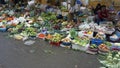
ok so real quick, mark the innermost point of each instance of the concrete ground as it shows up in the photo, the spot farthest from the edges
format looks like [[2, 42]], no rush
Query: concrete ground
[[14, 54]]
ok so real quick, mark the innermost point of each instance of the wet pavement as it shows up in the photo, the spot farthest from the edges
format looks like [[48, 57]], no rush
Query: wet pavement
[[15, 54]]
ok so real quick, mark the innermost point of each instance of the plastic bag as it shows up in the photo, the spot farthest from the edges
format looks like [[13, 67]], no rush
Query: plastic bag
[[29, 42], [72, 10]]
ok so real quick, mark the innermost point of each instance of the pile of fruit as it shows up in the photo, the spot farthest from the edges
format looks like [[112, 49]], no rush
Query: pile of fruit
[[103, 48], [67, 40], [56, 37]]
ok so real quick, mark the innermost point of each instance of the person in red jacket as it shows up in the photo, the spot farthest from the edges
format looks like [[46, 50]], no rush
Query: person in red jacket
[[103, 14]]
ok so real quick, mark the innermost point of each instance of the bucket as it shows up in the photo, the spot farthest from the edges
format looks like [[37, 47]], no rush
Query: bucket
[[55, 43], [66, 43], [41, 35], [3, 29]]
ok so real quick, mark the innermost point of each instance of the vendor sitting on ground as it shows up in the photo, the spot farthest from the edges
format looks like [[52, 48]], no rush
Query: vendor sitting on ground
[[115, 36], [102, 15]]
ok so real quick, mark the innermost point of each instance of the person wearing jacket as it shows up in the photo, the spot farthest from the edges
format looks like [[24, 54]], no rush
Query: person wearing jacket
[[115, 36], [102, 15]]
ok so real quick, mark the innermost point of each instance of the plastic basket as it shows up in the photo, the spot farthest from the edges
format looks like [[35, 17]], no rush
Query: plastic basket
[[55, 43], [3, 29], [96, 41]]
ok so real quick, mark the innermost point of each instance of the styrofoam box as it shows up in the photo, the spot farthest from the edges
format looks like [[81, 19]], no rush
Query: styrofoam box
[[78, 47]]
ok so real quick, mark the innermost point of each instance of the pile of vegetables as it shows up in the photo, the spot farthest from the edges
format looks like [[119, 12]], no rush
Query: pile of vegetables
[[23, 30], [17, 29], [81, 41], [64, 8], [93, 46], [73, 33], [48, 16], [29, 31], [111, 60], [56, 37]]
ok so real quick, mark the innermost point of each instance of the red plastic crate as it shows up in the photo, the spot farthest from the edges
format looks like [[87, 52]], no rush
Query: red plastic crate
[[55, 43]]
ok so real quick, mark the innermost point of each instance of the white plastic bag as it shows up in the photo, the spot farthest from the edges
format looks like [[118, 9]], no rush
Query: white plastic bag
[[31, 3], [71, 10], [29, 42]]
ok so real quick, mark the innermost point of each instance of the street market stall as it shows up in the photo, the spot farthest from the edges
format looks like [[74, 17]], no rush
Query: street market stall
[[43, 22]]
